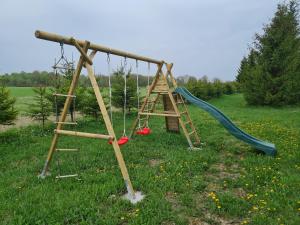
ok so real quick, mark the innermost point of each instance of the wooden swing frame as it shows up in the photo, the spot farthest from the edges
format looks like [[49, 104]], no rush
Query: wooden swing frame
[[86, 60]]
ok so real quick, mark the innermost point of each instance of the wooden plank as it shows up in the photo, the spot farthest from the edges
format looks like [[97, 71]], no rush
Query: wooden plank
[[67, 149], [110, 130], [164, 92], [83, 134], [64, 95], [69, 123], [158, 114], [67, 40], [191, 133], [66, 176], [188, 122], [172, 124]]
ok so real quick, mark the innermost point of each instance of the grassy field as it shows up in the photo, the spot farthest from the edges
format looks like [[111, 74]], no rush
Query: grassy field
[[24, 96], [226, 182]]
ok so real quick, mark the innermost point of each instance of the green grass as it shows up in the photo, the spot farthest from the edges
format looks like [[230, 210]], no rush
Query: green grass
[[24, 96], [226, 181]]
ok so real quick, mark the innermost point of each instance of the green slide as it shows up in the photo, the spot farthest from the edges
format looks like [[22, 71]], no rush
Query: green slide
[[267, 148]]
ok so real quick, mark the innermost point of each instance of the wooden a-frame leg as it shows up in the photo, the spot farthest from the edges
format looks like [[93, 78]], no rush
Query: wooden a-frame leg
[[176, 108], [64, 112], [111, 132]]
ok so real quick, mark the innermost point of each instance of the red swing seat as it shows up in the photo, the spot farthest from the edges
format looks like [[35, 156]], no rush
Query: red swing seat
[[144, 131], [122, 141]]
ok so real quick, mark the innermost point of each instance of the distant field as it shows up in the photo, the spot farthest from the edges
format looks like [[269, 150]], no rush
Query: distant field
[[24, 96]]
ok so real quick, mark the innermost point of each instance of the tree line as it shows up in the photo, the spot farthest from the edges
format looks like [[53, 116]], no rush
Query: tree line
[[206, 89], [45, 85], [48, 79]]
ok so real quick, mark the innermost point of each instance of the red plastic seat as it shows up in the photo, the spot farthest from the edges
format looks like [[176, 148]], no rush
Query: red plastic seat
[[144, 131], [123, 140]]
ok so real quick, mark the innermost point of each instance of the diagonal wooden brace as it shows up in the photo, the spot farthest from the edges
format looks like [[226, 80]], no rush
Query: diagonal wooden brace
[[82, 52]]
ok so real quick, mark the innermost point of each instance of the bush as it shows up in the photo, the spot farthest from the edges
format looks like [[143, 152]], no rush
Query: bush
[[204, 89]]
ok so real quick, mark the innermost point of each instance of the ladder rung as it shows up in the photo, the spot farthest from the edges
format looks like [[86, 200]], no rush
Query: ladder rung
[[83, 134], [184, 112], [188, 122], [161, 92], [159, 114], [70, 123], [191, 133], [180, 102], [67, 149], [64, 95], [66, 176], [62, 67], [197, 143]]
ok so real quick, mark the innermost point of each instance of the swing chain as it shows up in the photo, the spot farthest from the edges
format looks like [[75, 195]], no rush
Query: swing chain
[[148, 80], [125, 98], [110, 88], [138, 91], [62, 50]]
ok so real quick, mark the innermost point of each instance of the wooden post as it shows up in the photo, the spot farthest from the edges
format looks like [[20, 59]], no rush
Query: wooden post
[[110, 130], [65, 110]]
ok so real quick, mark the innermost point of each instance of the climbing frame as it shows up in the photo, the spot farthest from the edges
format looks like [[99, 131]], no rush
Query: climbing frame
[[86, 60], [175, 110]]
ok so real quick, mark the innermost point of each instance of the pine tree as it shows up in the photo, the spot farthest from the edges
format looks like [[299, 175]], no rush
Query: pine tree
[[271, 73], [7, 110], [118, 97], [41, 108], [62, 86], [90, 105]]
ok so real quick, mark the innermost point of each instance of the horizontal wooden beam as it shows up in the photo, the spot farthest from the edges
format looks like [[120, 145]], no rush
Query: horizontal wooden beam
[[158, 114], [83, 134], [68, 40], [66, 176]]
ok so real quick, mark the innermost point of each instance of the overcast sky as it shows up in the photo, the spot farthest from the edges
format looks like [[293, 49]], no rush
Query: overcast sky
[[201, 37]]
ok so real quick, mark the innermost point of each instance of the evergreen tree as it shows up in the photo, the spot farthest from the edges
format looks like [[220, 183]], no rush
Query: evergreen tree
[[62, 86], [242, 70], [7, 111], [217, 83], [90, 105], [41, 108], [271, 73], [118, 97]]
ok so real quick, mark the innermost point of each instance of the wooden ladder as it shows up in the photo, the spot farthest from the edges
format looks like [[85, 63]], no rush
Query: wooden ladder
[[66, 150], [186, 120]]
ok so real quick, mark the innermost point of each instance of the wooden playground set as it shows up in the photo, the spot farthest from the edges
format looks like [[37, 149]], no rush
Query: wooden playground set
[[163, 89]]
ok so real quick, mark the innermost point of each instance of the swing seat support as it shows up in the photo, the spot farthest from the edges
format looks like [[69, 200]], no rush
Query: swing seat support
[[144, 131], [122, 141]]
